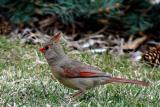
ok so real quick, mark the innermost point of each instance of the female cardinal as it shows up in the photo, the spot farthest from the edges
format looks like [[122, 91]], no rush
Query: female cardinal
[[75, 74]]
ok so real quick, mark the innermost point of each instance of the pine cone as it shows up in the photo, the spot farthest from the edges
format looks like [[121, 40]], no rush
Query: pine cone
[[153, 56], [5, 27]]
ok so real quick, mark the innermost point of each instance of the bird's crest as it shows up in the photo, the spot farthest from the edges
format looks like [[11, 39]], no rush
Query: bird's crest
[[56, 38]]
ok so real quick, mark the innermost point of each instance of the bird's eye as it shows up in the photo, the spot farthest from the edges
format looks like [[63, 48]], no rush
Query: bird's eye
[[46, 47]]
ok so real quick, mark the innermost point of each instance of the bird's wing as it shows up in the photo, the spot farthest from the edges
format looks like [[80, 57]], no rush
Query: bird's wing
[[81, 70]]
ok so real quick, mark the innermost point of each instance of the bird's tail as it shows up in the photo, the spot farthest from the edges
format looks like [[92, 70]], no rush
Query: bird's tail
[[123, 80]]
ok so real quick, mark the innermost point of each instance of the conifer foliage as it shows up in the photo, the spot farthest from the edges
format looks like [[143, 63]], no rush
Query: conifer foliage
[[129, 16]]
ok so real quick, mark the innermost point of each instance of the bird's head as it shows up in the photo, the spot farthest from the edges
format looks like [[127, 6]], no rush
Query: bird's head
[[52, 50]]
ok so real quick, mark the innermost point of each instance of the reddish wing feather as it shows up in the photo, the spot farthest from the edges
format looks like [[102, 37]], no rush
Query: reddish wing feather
[[69, 73], [87, 74], [73, 73]]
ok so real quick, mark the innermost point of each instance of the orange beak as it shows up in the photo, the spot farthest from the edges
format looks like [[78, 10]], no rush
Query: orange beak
[[42, 50]]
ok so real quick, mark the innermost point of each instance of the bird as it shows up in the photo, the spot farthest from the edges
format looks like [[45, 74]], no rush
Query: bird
[[76, 74]]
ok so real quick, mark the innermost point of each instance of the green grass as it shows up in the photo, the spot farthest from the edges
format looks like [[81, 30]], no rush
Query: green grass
[[23, 83]]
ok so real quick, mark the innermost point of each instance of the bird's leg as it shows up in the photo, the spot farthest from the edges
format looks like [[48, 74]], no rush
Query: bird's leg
[[78, 94]]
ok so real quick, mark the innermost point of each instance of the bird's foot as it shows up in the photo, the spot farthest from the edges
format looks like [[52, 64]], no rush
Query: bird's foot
[[77, 95]]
